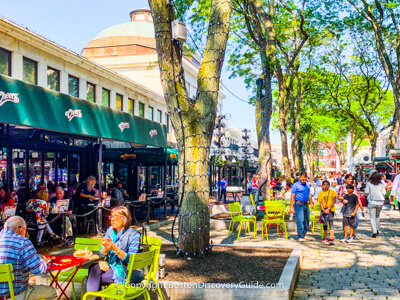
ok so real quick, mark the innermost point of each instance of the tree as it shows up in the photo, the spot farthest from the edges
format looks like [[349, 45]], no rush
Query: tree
[[355, 85], [193, 120], [383, 19]]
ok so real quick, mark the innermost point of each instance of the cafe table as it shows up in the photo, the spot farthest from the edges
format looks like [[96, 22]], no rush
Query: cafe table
[[58, 265]]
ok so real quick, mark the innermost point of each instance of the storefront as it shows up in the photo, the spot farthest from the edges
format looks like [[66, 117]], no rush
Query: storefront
[[47, 135]]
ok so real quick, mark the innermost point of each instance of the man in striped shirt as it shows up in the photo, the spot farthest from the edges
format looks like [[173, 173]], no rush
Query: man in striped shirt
[[17, 250]]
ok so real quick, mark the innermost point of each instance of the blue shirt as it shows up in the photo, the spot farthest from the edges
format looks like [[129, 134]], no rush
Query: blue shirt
[[224, 183], [19, 251], [301, 191], [318, 188], [129, 242]]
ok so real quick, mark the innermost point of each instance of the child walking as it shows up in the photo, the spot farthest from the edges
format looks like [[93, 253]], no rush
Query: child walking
[[327, 200], [349, 214]]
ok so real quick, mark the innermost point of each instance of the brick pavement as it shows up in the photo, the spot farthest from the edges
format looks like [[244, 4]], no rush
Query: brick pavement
[[365, 269]]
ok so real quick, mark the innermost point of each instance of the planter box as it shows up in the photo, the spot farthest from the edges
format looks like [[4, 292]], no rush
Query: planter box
[[282, 290]]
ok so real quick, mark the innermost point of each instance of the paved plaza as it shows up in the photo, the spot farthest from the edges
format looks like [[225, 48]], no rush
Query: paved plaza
[[365, 269]]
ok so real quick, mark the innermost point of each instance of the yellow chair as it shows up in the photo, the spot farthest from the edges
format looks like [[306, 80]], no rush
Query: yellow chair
[[315, 213], [274, 214], [154, 243], [6, 275], [252, 200], [128, 291], [235, 208], [80, 276]]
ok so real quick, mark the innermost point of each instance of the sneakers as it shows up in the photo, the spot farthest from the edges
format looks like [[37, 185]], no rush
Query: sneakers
[[354, 236], [374, 235], [331, 240], [349, 240], [301, 240], [344, 240], [324, 240]]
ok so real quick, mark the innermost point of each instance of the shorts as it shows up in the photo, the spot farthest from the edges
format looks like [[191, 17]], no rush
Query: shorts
[[349, 221]]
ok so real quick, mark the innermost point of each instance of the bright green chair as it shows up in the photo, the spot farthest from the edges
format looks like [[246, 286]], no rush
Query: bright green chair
[[237, 216], [154, 243], [315, 213], [6, 275], [128, 291], [93, 245], [274, 214]]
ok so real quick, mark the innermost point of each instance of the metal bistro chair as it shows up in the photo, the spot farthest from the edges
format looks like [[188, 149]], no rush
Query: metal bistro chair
[[127, 291], [155, 244], [315, 213], [274, 215], [239, 217], [7, 276], [80, 276]]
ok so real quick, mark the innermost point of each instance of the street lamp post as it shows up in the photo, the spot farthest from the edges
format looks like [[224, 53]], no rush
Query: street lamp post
[[246, 150], [220, 143]]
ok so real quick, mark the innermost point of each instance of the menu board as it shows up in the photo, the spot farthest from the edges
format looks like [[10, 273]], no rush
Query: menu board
[[61, 205]]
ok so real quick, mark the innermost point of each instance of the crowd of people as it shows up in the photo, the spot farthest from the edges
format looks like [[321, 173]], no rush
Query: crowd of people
[[352, 197]]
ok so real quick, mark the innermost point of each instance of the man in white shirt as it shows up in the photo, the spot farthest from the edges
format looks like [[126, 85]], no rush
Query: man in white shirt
[[332, 181]]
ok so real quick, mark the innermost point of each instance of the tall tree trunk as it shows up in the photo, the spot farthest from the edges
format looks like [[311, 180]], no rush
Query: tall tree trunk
[[394, 133], [193, 120], [295, 112], [263, 121]]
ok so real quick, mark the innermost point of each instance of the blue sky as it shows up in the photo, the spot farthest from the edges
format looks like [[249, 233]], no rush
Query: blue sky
[[73, 23]]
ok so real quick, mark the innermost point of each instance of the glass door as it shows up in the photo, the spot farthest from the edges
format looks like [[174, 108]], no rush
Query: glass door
[[18, 168], [34, 169]]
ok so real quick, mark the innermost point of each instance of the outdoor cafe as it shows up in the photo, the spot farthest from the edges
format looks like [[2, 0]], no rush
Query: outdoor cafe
[[47, 136]]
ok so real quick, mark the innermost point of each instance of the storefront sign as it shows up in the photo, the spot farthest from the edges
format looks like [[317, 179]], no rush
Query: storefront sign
[[128, 156], [6, 97], [41, 108], [153, 133], [72, 113], [123, 125]]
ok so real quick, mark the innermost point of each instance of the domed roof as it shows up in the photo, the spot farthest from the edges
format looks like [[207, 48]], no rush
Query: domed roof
[[142, 29]]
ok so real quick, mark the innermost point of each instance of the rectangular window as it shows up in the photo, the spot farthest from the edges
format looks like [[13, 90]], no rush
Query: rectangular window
[[5, 62], [91, 92], [105, 98], [131, 105], [30, 70], [53, 79], [151, 115], [119, 102], [159, 116], [141, 110], [73, 86]]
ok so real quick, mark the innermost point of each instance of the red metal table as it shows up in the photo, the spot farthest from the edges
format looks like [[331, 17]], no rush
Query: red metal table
[[262, 208], [58, 266]]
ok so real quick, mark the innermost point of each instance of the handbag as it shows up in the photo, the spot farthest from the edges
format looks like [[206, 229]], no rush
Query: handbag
[[144, 244]]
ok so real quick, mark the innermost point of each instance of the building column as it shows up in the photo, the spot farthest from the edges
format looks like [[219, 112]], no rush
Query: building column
[[17, 68], [125, 103], [42, 74], [82, 88], [99, 94], [63, 82], [113, 99]]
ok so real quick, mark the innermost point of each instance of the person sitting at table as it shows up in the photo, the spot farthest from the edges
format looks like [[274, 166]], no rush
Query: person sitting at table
[[5, 198], [18, 250], [60, 193], [41, 209], [123, 192], [120, 242]]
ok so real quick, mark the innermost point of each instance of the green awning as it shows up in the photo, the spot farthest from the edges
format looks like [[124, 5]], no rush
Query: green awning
[[172, 154], [30, 105]]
